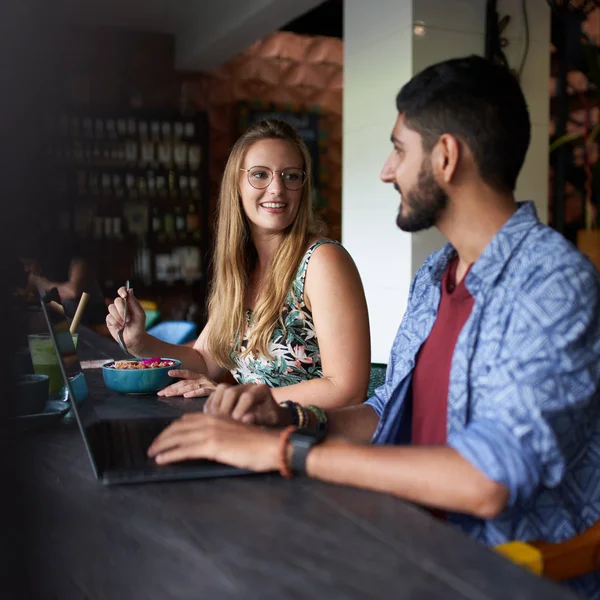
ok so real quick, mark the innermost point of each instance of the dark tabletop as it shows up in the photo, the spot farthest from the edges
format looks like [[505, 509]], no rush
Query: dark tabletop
[[254, 537]]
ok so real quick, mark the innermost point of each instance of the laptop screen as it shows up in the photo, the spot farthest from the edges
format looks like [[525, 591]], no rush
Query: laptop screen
[[126, 460]]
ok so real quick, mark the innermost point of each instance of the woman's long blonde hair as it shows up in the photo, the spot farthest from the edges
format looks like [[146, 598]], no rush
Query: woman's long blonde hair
[[235, 255]]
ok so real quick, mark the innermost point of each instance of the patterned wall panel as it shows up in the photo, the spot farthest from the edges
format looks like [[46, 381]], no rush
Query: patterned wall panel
[[288, 71]]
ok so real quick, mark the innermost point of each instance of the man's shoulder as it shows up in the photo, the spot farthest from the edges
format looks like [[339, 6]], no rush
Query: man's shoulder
[[547, 256]]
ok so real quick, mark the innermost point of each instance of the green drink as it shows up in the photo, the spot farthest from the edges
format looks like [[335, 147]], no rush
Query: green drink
[[43, 358]]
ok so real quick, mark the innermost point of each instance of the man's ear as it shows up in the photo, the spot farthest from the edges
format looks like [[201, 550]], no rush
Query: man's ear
[[445, 157]]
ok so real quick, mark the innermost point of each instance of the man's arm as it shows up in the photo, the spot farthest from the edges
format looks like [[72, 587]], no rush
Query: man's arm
[[425, 475], [354, 422], [68, 290]]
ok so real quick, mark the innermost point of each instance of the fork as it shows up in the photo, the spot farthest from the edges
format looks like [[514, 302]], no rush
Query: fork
[[120, 332]]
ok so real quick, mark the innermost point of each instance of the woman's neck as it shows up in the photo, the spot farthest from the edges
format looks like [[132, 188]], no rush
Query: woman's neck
[[266, 247]]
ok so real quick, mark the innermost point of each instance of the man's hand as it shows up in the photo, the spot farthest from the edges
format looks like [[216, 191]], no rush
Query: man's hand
[[191, 385], [196, 435], [250, 403]]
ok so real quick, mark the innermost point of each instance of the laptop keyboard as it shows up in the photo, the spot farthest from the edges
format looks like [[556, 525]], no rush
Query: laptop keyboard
[[126, 442]]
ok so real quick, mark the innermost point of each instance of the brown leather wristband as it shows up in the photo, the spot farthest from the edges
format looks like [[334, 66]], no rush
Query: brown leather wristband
[[284, 436]]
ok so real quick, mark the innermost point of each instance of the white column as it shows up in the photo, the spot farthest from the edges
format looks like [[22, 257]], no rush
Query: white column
[[377, 61], [382, 51]]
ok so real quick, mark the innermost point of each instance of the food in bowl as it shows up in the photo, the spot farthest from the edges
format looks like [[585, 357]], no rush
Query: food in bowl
[[139, 376], [145, 363]]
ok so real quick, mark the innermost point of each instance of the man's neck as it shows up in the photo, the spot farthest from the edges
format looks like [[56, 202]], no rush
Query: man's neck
[[471, 220]]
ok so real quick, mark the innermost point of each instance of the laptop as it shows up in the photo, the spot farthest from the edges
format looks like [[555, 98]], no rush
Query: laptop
[[117, 436]]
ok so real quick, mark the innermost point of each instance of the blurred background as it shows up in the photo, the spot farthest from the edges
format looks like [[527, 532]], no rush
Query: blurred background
[[120, 117]]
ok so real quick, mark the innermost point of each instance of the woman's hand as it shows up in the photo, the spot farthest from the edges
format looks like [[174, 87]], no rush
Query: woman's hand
[[192, 385], [135, 328], [196, 435], [250, 403]]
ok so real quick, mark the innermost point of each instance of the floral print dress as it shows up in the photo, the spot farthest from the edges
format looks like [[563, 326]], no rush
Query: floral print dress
[[295, 350]]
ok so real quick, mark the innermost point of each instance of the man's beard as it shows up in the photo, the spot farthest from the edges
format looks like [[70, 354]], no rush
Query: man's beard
[[426, 202]]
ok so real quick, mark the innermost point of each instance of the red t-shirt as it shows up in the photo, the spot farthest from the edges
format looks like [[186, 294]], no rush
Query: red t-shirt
[[431, 374]]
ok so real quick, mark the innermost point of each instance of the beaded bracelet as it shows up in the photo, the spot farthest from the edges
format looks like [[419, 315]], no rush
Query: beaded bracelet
[[284, 436], [302, 416], [299, 415], [322, 420], [291, 406]]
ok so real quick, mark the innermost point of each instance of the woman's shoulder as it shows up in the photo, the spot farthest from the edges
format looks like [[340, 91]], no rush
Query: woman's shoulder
[[330, 266], [323, 256], [318, 241]]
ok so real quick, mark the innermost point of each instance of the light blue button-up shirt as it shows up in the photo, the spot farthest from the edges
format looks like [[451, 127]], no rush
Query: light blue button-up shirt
[[524, 390]]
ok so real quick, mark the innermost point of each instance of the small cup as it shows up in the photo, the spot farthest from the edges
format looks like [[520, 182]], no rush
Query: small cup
[[31, 394]]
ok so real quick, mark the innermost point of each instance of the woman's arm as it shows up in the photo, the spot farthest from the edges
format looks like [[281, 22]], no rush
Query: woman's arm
[[333, 292], [143, 345], [194, 358], [195, 383]]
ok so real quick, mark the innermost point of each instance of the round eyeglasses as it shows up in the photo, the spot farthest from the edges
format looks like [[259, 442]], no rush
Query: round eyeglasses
[[261, 177]]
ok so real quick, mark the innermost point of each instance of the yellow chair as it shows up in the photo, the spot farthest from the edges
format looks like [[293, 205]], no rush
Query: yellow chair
[[575, 557], [149, 305]]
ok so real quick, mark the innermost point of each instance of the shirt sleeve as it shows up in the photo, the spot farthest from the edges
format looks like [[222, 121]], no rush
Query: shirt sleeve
[[537, 402], [382, 394]]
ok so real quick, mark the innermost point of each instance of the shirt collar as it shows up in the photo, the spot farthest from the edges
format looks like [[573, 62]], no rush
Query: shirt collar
[[493, 259]]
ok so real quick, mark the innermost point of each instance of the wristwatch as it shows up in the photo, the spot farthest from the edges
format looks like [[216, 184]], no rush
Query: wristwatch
[[302, 440]]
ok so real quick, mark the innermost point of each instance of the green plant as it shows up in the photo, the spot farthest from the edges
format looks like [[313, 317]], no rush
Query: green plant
[[589, 138]]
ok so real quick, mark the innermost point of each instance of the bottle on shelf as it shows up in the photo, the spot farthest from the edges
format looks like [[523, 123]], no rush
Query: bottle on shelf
[[189, 130], [117, 231], [161, 185], [108, 227], [157, 224], [106, 185], [194, 187], [132, 127], [180, 223], [184, 188], [147, 153], [165, 129], [151, 179], [193, 223], [165, 154], [180, 154], [194, 156], [142, 187], [132, 191], [169, 225], [117, 183], [173, 191], [131, 151]]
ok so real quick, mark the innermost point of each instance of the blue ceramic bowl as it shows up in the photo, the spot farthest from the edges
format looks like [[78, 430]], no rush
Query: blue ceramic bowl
[[138, 381]]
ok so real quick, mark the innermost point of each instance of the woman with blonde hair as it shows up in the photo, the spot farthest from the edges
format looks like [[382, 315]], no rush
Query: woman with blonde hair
[[286, 305]]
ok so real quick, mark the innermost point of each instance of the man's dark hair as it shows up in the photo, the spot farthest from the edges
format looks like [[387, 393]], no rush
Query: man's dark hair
[[478, 101]]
